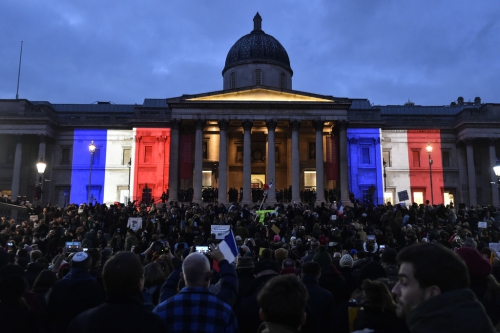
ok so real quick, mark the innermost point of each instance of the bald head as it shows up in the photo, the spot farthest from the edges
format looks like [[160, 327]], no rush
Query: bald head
[[196, 270]]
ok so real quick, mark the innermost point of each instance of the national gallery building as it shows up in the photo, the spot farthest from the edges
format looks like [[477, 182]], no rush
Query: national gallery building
[[255, 130]]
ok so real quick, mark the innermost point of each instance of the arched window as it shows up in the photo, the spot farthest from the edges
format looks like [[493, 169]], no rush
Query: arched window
[[233, 80], [282, 81], [258, 79]]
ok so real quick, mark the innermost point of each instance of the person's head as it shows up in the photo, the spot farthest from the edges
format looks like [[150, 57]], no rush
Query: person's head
[[123, 274], [45, 280], [36, 254], [377, 294], [81, 260], [311, 268], [282, 300], [196, 270], [427, 270], [153, 274]]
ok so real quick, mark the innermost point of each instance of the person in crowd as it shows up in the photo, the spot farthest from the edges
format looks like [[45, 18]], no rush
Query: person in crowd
[[76, 292], [123, 310], [282, 304], [432, 292], [195, 308]]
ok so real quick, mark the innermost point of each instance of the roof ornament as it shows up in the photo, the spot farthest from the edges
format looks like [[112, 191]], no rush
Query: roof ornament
[[257, 22]]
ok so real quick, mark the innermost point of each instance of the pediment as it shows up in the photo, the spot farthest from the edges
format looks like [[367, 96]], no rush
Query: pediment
[[261, 94]]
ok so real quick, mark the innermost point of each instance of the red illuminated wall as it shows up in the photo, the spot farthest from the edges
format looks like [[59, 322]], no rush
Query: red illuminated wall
[[419, 175], [152, 161]]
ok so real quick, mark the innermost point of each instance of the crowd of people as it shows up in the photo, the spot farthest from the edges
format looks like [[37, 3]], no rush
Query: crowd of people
[[299, 268]]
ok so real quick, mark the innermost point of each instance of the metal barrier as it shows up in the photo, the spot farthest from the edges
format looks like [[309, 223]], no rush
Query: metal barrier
[[15, 212]]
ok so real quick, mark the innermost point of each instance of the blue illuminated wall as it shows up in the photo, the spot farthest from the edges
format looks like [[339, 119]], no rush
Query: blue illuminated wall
[[81, 166], [365, 164]]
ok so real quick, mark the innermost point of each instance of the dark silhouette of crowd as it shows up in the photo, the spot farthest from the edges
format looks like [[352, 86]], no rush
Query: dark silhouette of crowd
[[325, 268]]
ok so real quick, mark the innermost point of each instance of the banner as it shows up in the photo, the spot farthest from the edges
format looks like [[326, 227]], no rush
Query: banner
[[186, 162], [262, 214], [332, 158], [220, 231], [134, 223]]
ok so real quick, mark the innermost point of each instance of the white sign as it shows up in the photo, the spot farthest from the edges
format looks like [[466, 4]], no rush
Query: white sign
[[33, 218], [220, 231], [134, 223], [482, 225], [495, 247]]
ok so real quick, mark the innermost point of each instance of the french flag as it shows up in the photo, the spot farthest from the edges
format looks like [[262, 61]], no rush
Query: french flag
[[228, 247], [340, 209]]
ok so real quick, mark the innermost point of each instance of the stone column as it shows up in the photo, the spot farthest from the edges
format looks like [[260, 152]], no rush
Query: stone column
[[493, 161], [16, 173], [295, 125], [198, 160], [471, 171], [320, 165], [173, 178], [223, 126], [344, 183], [462, 174], [247, 161], [271, 160]]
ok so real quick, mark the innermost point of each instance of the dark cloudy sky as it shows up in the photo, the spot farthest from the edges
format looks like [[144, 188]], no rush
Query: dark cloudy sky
[[389, 51]]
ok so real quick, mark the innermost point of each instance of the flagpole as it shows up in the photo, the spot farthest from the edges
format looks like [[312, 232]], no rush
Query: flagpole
[[19, 71]]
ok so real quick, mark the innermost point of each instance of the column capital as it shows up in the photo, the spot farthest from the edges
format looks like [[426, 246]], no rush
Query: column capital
[[271, 124], [175, 124], [318, 125], [492, 141], [223, 124], [247, 124], [469, 141], [295, 124], [342, 124], [138, 138], [199, 124]]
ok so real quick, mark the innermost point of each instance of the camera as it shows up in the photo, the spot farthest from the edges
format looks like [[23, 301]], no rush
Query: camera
[[202, 249]]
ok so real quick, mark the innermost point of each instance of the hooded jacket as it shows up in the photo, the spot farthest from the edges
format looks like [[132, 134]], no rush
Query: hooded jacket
[[455, 311]]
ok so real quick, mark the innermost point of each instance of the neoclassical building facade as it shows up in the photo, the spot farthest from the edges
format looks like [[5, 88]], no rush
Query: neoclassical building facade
[[257, 129]]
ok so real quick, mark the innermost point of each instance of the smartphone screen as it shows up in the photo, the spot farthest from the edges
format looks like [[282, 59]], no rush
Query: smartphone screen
[[10, 244], [85, 249], [73, 246], [202, 249], [382, 247]]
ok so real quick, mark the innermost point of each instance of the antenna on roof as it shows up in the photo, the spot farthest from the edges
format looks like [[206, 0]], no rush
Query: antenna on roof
[[19, 71]]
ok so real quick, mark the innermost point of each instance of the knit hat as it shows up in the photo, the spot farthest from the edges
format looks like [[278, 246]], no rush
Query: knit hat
[[281, 254], [276, 238], [476, 264], [265, 265], [346, 261], [353, 252], [288, 263], [322, 257], [245, 262]]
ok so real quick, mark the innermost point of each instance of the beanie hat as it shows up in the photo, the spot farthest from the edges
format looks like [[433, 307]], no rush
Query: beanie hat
[[322, 257], [281, 254], [353, 252], [266, 264], [476, 264], [346, 261], [276, 238]]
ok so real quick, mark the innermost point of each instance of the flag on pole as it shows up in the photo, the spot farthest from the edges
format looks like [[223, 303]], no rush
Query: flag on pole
[[271, 184], [340, 209], [228, 247]]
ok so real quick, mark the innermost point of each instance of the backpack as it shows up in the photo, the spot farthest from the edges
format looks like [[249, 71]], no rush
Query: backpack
[[147, 295]]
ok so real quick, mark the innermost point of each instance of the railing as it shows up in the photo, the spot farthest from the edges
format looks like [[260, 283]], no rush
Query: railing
[[18, 213]]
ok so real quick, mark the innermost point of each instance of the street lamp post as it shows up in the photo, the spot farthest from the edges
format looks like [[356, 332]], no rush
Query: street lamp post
[[385, 176], [40, 166], [129, 164], [91, 150], [66, 194], [429, 151]]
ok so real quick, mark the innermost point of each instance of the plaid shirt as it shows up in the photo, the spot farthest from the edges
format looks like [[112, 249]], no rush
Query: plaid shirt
[[197, 310]]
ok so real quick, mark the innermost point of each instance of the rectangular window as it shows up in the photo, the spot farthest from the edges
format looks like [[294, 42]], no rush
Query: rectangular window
[[310, 179], [446, 158], [206, 179], [416, 158], [448, 198], [387, 158], [65, 156], [365, 155], [418, 197], [148, 154], [126, 156]]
